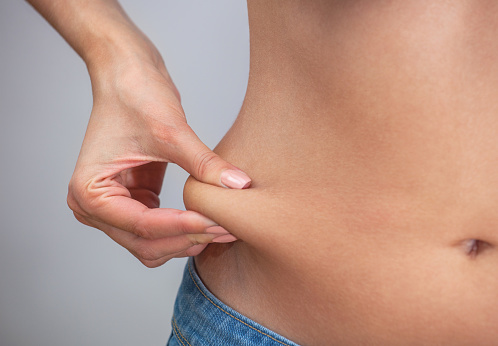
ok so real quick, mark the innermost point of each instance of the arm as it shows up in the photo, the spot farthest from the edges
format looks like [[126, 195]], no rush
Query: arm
[[137, 125]]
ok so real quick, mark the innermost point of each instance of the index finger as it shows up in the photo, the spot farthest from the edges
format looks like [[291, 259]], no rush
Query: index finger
[[132, 216]]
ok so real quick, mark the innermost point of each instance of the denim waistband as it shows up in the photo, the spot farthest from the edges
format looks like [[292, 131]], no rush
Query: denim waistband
[[202, 319]]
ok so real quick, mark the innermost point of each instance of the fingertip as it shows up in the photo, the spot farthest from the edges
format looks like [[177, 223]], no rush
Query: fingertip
[[235, 179], [196, 221], [227, 238], [216, 230], [195, 250]]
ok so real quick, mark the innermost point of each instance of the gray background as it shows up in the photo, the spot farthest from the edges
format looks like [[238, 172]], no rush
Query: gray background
[[62, 283]]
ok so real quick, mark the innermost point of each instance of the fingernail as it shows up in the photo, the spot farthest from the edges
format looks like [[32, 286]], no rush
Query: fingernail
[[235, 179], [227, 238], [216, 230]]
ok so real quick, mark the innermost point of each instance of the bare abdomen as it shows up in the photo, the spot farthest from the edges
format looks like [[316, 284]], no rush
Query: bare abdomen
[[373, 159]]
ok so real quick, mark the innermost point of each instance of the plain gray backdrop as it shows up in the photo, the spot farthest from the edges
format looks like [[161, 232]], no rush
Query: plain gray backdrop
[[62, 283]]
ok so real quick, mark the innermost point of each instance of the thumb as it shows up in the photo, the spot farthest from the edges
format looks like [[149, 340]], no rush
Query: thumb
[[204, 165]]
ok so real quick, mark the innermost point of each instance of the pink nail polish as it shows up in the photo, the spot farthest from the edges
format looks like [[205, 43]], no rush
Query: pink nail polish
[[235, 179], [216, 230], [228, 238]]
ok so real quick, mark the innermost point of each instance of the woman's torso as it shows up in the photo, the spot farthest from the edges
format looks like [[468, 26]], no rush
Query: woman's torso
[[370, 130]]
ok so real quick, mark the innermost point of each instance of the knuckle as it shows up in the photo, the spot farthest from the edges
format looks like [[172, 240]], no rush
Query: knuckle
[[183, 224], [145, 252], [171, 131], [72, 201], [82, 195], [168, 132], [141, 229], [204, 161], [80, 218], [196, 239], [150, 264]]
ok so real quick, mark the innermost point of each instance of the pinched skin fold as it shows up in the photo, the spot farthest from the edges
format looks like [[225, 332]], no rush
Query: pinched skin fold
[[369, 131]]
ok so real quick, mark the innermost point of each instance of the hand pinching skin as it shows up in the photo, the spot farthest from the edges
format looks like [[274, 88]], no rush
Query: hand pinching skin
[[136, 127]]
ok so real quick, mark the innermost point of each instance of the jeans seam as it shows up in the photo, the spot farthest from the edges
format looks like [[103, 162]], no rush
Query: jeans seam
[[178, 334], [229, 314]]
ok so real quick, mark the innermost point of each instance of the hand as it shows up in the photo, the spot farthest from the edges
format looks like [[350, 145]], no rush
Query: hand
[[137, 126]]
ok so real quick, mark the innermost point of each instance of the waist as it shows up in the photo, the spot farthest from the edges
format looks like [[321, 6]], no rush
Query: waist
[[373, 161], [353, 221]]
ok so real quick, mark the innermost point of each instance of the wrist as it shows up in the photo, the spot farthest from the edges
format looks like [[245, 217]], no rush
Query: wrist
[[117, 54], [123, 62], [116, 51]]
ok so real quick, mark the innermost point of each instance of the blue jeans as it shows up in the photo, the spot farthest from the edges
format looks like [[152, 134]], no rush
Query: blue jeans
[[202, 319]]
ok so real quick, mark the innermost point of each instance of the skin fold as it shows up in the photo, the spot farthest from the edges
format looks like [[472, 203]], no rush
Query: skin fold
[[370, 132]]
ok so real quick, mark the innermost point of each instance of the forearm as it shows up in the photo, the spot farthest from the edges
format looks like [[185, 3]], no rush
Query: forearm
[[98, 30]]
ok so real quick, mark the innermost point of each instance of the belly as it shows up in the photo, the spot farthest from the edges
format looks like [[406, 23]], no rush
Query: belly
[[355, 243], [372, 170]]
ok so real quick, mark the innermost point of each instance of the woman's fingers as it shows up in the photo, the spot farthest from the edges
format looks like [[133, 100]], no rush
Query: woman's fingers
[[131, 217], [203, 164], [153, 251], [137, 125], [146, 197], [191, 251], [127, 214]]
